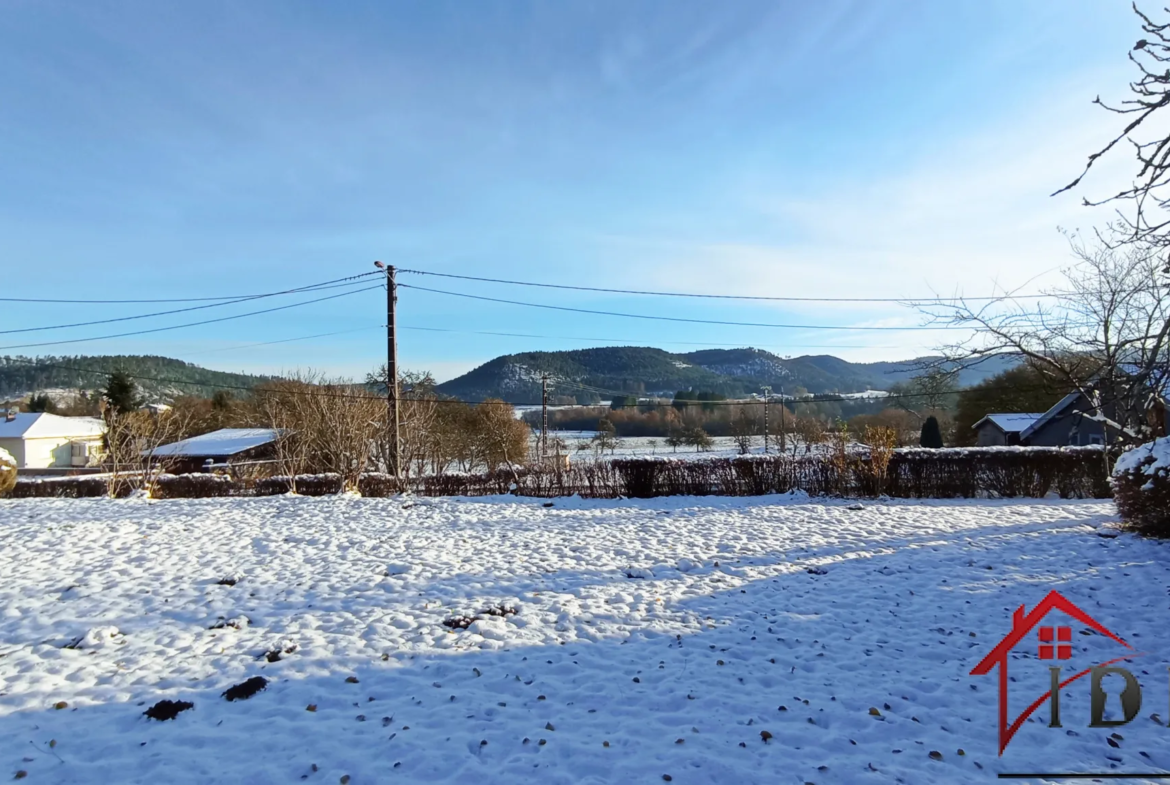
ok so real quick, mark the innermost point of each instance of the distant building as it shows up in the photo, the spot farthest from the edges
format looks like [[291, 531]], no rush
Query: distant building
[[998, 430], [1066, 423], [38, 440], [227, 445]]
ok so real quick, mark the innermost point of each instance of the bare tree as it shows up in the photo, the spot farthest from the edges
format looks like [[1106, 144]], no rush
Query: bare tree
[[418, 418], [698, 438], [808, 431], [281, 406], [131, 441], [932, 390], [1147, 222], [881, 442], [1106, 334], [498, 438], [743, 430], [452, 438], [343, 423], [606, 437]]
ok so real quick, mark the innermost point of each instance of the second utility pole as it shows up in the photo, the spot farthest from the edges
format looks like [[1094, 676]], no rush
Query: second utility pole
[[392, 375], [767, 392], [544, 417], [783, 427]]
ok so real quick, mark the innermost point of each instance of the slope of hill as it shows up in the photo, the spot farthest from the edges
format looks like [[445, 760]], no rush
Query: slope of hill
[[20, 376], [611, 369], [634, 369]]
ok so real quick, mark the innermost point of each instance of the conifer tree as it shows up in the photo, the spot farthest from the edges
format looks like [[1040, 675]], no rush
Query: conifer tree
[[121, 393], [931, 434]]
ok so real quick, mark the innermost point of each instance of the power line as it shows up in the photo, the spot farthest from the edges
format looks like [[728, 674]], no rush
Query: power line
[[190, 324], [624, 341], [671, 318], [899, 300], [289, 340], [176, 299], [312, 288], [627, 341]]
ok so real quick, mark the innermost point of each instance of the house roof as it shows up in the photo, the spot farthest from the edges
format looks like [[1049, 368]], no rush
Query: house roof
[[218, 444], [1011, 422], [1051, 414], [39, 425]]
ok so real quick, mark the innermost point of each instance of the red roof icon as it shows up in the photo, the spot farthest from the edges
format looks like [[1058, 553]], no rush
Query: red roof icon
[[1022, 624]]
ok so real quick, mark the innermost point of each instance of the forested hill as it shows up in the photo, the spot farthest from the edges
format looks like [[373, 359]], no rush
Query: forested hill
[[20, 376], [586, 373]]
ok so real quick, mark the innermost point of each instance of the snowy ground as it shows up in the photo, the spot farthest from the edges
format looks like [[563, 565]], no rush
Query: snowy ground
[[580, 446], [652, 640]]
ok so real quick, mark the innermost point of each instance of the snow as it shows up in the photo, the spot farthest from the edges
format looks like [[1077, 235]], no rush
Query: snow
[[867, 394], [1159, 450], [7, 462], [778, 614], [39, 425], [221, 443], [580, 446], [1012, 422]]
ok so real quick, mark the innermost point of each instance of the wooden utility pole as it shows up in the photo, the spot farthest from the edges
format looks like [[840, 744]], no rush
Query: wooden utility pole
[[767, 392], [544, 417], [783, 427], [392, 373]]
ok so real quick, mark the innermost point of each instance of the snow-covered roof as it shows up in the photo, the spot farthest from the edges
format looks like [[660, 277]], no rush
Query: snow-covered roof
[[1051, 414], [39, 425], [1012, 422], [221, 443]]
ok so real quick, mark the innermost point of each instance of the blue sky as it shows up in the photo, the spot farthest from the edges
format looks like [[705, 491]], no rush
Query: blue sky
[[871, 149]]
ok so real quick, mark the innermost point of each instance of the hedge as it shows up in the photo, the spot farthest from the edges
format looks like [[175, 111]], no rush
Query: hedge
[[978, 472], [63, 487]]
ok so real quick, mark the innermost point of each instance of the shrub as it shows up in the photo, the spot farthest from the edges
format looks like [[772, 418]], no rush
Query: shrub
[[307, 485], [195, 486], [377, 485], [1141, 488], [638, 477], [7, 472], [64, 488]]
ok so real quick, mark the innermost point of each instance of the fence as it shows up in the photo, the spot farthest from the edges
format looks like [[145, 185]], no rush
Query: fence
[[979, 472]]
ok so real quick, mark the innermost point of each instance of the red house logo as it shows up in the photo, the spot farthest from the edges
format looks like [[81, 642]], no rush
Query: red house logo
[[1054, 645]]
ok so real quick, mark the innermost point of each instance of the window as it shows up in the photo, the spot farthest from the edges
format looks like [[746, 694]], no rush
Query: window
[[1096, 439], [1063, 648]]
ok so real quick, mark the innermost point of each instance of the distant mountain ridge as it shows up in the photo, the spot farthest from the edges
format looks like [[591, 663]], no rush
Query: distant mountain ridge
[[20, 376], [582, 373], [646, 370]]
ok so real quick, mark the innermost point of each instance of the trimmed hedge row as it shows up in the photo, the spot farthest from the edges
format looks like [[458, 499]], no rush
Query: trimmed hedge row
[[63, 488], [1069, 472]]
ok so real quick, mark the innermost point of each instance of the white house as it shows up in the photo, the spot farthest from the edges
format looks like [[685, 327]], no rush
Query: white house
[[41, 441]]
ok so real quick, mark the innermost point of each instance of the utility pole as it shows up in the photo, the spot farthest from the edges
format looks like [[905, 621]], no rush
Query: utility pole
[[767, 392], [392, 372], [783, 427], [544, 417]]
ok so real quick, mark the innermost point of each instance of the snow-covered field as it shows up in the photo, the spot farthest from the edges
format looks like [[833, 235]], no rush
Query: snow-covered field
[[580, 446], [768, 640]]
